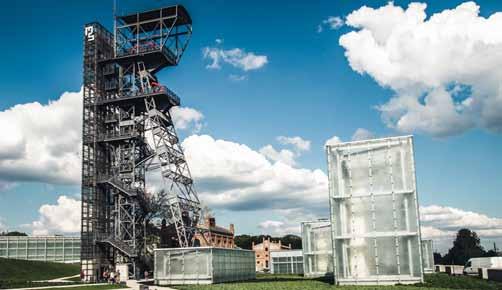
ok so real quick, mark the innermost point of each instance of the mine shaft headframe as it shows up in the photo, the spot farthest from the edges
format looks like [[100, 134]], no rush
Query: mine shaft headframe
[[161, 33]]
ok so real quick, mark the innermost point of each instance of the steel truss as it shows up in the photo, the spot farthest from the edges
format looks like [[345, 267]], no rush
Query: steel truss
[[127, 132]]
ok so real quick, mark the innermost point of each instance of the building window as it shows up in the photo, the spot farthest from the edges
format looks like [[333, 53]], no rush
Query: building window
[[266, 249]]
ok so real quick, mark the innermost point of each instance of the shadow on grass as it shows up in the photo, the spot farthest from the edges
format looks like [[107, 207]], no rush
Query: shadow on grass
[[6, 284], [443, 280], [285, 278]]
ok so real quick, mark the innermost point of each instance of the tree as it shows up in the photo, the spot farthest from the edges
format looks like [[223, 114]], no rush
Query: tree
[[293, 240], [13, 233], [491, 253], [437, 258], [466, 245], [243, 241], [246, 241]]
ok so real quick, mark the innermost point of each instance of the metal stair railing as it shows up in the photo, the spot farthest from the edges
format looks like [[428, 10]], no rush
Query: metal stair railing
[[120, 186], [119, 245]]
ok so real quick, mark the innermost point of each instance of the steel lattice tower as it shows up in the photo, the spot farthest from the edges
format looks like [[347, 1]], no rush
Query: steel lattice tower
[[128, 131]]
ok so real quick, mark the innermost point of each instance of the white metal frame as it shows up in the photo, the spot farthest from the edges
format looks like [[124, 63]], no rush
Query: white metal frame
[[343, 200], [428, 256], [308, 228]]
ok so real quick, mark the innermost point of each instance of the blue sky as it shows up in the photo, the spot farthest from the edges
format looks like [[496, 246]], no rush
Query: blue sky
[[307, 88]]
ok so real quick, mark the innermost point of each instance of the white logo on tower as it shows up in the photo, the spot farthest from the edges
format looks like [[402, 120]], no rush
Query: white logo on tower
[[89, 33]]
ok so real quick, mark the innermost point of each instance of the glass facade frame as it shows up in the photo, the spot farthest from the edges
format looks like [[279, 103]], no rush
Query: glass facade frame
[[41, 248], [374, 212], [317, 248], [286, 262], [428, 256], [203, 265]]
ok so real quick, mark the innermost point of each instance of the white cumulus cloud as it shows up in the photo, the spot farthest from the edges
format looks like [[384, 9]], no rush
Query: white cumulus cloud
[[298, 143], [333, 141], [362, 134], [332, 22], [279, 228], [232, 176], [185, 118], [444, 69], [60, 218], [285, 156], [42, 142], [235, 57]]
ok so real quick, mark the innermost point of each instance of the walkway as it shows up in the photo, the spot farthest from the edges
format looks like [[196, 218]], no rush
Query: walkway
[[64, 286]]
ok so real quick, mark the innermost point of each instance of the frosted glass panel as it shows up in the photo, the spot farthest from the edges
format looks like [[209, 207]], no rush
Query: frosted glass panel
[[387, 256], [427, 256], [287, 262], [317, 248], [203, 265], [40, 248], [374, 212]]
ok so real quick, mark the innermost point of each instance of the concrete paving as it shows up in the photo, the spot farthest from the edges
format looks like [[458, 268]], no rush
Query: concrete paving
[[135, 284]]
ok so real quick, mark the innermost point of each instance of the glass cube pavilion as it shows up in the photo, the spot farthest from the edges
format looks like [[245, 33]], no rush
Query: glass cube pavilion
[[374, 212], [41, 248], [203, 265], [317, 248]]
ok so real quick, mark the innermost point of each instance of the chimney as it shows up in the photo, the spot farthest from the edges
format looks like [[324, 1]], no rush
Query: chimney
[[212, 222], [232, 228]]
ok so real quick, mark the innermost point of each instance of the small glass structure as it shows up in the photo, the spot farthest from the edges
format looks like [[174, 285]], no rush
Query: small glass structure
[[38, 248], [317, 248], [286, 262], [374, 212], [203, 265], [428, 256]]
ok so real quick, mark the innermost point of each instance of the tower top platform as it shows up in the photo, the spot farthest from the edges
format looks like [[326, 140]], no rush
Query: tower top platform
[[149, 20], [158, 36]]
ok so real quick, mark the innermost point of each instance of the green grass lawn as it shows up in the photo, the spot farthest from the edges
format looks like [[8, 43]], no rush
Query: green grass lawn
[[459, 282], [21, 273], [292, 282], [96, 287], [11, 269]]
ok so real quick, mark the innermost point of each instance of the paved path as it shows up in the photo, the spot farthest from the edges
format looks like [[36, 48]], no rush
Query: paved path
[[134, 284], [62, 279], [62, 286]]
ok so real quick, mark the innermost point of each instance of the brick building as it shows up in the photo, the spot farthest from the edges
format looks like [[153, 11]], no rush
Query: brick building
[[262, 252], [215, 236]]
